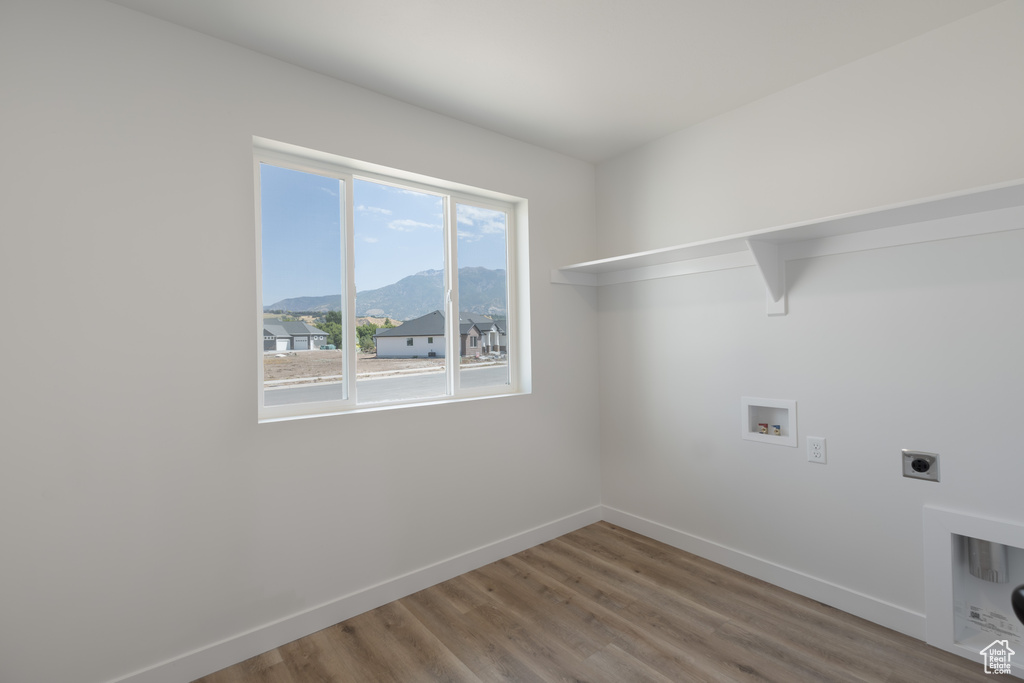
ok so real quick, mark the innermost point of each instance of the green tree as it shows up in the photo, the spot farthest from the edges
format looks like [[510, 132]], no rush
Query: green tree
[[333, 317], [365, 335], [335, 334]]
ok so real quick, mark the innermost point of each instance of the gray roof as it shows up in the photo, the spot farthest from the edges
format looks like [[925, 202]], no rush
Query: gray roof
[[429, 325], [289, 328], [483, 323], [274, 330]]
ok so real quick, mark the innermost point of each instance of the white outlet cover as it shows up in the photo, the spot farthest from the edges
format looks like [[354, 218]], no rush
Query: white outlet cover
[[816, 450]]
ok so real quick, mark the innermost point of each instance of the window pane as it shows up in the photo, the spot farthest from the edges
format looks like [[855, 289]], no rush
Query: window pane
[[401, 243], [301, 232], [399, 273], [483, 296]]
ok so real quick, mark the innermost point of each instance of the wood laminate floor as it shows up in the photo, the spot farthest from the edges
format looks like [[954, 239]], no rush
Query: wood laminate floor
[[604, 605]]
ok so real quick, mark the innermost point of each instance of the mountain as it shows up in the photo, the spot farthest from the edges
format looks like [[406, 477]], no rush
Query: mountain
[[318, 304], [481, 290], [410, 297]]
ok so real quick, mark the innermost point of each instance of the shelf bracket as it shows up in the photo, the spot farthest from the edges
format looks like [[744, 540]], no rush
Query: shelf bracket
[[773, 271]]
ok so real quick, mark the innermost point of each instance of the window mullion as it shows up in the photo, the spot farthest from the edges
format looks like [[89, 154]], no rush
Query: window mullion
[[451, 307], [511, 293], [260, 322], [348, 288]]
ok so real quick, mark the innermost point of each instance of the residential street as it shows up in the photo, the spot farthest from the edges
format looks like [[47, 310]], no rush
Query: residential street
[[376, 390]]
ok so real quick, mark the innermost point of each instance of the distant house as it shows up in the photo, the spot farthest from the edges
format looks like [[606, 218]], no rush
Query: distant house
[[493, 337], [423, 337], [470, 338], [502, 324], [293, 335]]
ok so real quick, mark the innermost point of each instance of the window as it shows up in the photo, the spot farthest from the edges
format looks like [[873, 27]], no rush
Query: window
[[363, 257]]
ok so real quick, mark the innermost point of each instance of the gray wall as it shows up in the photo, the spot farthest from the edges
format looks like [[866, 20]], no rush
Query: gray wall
[[909, 347], [143, 512]]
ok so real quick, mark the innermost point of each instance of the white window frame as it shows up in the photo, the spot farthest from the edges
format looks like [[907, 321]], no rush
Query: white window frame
[[516, 269]]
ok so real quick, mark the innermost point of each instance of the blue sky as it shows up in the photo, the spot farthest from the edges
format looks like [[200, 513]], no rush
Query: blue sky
[[301, 222], [398, 232]]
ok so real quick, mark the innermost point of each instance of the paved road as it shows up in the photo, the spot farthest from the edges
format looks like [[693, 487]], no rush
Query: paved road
[[376, 390]]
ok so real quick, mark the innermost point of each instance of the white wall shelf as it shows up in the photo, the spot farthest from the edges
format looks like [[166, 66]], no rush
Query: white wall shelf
[[996, 208]]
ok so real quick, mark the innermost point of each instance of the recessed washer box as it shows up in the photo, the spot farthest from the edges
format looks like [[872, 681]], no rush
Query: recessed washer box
[[755, 412], [969, 611]]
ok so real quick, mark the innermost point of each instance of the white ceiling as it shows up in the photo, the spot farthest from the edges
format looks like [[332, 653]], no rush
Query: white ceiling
[[589, 78]]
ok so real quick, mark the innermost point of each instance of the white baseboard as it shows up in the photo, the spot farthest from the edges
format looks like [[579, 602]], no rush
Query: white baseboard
[[207, 660], [861, 605], [217, 656]]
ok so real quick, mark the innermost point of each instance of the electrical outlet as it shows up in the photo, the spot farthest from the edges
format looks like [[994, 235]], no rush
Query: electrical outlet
[[920, 465], [816, 449]]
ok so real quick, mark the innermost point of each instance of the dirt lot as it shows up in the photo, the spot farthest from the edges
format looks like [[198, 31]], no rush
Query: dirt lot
[[326, 365]]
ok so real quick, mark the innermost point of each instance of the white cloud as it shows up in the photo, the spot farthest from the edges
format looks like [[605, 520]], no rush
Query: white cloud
[[415, 193], [371, 240], [409, 225], [493, 228], [329, 191], [373, 209], [486, 221], [395, 189]]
